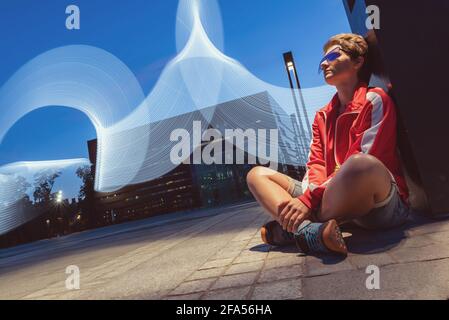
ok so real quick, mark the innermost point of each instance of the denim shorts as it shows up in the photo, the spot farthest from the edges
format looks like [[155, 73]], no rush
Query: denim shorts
[[390, 213]]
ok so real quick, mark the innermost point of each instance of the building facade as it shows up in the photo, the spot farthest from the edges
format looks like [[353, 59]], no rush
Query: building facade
[[191, 186]]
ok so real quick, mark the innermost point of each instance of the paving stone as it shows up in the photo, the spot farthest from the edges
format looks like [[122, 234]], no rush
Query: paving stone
[[55, 289], [439, 237], [243, 237], [258, 250], [429, 228], [284, 262], [216, 263], [315, 266], [207, 273], [286, 252], [256, 239], [228, 294], [279, 290], [340, 285], [237, 280], [226, 254], [250, 258], [417, 280], [378, 259], [263, 218], [281, 273], [45, 297], [245, 267], [193, 286], [413, 263], [246, 234], [192, 296], [404, 254], [417, 241], [237, 245]]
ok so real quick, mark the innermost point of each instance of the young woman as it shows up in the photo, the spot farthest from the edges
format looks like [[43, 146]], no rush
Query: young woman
[[353, 170]]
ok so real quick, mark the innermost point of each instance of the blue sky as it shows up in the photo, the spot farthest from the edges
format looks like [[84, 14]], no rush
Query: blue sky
[[142, 34]]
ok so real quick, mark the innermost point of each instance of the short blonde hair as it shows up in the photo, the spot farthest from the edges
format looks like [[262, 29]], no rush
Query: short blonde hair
[[355, 46]]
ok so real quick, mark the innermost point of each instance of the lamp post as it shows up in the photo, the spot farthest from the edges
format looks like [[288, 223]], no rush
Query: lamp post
[[58, 201], [291, 69]]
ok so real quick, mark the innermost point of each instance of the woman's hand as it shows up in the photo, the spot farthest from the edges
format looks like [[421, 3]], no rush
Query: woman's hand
[[293, 214]]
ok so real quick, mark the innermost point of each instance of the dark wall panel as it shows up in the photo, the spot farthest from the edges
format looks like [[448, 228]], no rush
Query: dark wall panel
[[413, 41]]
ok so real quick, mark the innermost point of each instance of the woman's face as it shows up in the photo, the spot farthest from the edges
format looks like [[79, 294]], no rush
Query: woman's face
[[342, 69]]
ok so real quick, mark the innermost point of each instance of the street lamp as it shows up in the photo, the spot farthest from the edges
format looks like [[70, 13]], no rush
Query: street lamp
[[291, 69], [58, 200], [59, 196]]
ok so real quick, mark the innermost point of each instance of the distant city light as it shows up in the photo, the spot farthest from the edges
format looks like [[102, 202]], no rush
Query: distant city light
[[59, 196]]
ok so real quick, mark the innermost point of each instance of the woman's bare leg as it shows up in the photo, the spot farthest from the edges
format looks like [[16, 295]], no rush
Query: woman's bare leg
[[269, 187], [362, 181]]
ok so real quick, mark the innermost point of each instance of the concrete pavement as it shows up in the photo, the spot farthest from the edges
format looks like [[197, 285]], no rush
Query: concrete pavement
[[218, 254]]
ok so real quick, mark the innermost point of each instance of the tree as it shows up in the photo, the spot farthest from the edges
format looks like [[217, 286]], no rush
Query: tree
[[87, 188], [43, 184], [86, 192]]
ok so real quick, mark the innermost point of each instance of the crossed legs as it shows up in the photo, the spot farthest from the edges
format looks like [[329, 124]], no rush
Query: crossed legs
[[361, 182]]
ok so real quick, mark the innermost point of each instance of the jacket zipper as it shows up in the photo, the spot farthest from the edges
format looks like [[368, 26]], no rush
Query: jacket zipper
[[325, 147]]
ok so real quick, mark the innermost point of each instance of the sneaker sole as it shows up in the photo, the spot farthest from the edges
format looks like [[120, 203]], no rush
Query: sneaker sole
[[333, 239], [264, 234]]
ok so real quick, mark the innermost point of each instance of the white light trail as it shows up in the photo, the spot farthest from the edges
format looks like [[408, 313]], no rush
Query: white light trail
[[133, 130]]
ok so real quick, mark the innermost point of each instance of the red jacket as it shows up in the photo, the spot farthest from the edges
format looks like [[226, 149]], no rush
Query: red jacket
[[368, 126]]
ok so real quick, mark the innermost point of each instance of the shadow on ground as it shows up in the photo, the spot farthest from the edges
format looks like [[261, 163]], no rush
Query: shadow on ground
[[365, 242]]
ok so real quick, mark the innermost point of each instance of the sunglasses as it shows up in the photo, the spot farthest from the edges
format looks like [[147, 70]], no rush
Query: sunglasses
[[331, 56]]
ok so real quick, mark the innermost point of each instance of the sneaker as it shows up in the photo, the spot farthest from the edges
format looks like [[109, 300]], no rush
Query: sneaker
[[320, 238], [273, 234]]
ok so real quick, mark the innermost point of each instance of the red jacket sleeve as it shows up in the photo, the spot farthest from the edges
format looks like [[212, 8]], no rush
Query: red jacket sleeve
[[374, 132], [316, 167]]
